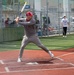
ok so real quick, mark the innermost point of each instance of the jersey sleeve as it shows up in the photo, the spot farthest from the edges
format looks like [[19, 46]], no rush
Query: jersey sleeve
[[61, 20], [31, 22]]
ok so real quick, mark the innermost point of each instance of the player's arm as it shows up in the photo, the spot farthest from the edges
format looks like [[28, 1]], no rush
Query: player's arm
[[61, 23], [22, 21], [31, 22]]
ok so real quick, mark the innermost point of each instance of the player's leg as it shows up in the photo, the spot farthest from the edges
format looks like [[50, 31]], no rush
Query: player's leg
[[63, 31], [37, 41], [25, 41]]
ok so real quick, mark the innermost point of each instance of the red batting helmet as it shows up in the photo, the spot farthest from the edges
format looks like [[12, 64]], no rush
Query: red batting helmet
[[29, 13]]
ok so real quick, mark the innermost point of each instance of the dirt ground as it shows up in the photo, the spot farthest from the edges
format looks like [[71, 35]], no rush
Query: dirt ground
[[37, 62]]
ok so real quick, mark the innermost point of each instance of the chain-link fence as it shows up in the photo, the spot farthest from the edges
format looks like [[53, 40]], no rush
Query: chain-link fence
[[51, 14], [48, 14]]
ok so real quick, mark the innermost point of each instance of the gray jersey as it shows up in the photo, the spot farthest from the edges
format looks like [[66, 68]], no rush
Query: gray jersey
[[29, 26]]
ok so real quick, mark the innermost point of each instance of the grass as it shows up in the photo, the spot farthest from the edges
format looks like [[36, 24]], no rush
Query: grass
[[52, 43]]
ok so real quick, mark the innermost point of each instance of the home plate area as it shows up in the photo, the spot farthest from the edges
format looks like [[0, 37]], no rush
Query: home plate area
[[32, 65]]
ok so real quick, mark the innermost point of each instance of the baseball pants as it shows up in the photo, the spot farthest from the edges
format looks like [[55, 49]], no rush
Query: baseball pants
[[34, 39], [64, 31]]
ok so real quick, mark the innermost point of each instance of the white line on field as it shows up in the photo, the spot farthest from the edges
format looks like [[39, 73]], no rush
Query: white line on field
[[59, 58], [41, 70], [1, 61], [42, 65], [71, 64], [7, 70], [65, 54]]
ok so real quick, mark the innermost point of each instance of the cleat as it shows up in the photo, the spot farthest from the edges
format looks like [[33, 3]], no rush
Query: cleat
[[51, 54], [19, 60], [52, 58]]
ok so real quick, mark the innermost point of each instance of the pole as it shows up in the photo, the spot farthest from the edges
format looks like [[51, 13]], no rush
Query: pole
[[18, 6], [66, 8], [0, 13], [47, 15], [34, 7], [59, 16], [13, 4]]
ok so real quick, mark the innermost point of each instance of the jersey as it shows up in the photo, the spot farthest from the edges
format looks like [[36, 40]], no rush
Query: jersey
[[64, 22], [29, 26]]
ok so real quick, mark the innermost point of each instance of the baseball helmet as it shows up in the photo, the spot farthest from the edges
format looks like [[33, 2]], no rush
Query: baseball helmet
[[29, 13]]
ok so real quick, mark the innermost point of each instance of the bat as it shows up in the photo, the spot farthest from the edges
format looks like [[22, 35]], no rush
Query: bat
[[20, 12], [23, 8]]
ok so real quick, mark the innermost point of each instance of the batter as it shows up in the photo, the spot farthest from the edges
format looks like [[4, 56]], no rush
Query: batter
[[30, 35]]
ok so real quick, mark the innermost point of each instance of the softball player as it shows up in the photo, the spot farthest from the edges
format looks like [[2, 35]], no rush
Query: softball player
[[65, 24], [29, 24]]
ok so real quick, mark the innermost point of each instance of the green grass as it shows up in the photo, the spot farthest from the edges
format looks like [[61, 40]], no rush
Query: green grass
[[52, 43]]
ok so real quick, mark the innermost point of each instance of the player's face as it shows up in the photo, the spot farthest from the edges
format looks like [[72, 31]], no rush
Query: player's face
[[64, 16], [28, 17]]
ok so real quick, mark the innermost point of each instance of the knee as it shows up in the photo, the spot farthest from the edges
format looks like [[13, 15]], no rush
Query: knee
[[41, 46], [22, 46]]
